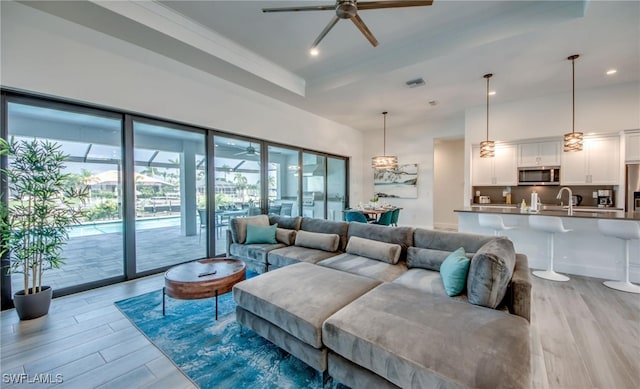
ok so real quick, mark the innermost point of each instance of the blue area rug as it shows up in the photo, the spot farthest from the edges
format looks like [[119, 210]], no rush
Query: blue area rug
[[216, 354]]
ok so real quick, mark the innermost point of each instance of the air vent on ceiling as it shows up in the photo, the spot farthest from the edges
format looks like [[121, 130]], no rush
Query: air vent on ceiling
[[415, 83]]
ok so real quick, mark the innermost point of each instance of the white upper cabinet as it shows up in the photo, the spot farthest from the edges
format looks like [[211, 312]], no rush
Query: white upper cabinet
[[500, 170], [539, 154], [597, 164], [632, 147]]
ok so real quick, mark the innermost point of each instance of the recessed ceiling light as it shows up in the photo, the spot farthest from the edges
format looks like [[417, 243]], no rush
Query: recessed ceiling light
[[415, 82], [314, 52], [491, 93], [611, 71], [433, 103]]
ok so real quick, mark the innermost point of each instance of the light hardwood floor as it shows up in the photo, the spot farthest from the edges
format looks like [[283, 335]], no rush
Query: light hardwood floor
[[584, 335]]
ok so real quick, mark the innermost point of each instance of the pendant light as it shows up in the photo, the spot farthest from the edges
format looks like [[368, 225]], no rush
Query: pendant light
[[487, 147], [573, 140], [384, 161]]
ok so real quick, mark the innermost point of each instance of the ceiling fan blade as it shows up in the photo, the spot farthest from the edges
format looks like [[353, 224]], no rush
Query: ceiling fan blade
[[364, 30], [307, 8], [326, 30], [392, 4]]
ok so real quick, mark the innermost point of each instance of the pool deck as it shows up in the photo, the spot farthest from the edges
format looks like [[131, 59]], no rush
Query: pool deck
[[97, 257]]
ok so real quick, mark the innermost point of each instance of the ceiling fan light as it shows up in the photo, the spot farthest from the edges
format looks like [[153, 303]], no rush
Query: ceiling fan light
[[573, 141], [487, 149], [384, 162], [314, 52]]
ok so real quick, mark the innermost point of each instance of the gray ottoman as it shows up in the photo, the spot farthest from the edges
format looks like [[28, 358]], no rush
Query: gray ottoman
[[287, 306], [419, 340]]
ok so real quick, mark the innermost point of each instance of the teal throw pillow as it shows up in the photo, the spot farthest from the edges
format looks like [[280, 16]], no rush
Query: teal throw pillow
[[454, 271], [261, 234]]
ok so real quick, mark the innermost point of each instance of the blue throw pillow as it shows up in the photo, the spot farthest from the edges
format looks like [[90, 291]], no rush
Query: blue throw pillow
[[454, 271], [261, 234]]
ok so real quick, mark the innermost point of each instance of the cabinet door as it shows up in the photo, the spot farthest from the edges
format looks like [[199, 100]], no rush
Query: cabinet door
[[573, 168], [528, 154], [632, 146], [481, 169], [505, 167], [603, 161], [549, 153]]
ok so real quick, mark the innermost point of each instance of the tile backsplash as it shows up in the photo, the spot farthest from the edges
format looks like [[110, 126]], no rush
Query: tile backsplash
[[547, 194]]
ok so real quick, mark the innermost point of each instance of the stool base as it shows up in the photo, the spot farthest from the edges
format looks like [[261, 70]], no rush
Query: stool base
[[623, 286], [550, 275]]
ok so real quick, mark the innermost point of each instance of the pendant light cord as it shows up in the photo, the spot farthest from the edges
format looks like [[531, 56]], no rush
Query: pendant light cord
[[384, 134], [488, 76], [488, 107], [573, 95]]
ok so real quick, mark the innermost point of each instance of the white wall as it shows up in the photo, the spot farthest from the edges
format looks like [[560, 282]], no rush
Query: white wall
[[448, 182], [412, 145], [602, 110], [49, 55]]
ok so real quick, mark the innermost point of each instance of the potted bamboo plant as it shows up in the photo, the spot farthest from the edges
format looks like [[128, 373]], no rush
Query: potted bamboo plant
[[41, 205]]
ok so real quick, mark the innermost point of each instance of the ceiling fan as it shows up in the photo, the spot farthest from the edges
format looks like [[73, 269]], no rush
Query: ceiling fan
[[250, 150], [348, 9]]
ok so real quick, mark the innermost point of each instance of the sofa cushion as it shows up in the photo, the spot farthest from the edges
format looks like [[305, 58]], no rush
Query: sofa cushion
[[254, 255], [239, 226], [261, 234], [293, 254], [385, 252], [300, 297], [365, 267], [490, 272], [454, 271], [286, 236], [428, 259], [316, 240], [327, 227], [402, 236], [452, 344], [288, 222], [448, 241], [426, 281]]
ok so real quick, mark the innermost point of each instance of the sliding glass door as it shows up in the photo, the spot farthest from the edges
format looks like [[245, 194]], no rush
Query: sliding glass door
[[170, 188], [283, 178], [237, 184], [314, 177], [92, 141], [336, 187]]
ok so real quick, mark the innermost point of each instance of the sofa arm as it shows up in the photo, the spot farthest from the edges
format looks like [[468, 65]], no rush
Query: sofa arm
[[518, 297], [229, 240]]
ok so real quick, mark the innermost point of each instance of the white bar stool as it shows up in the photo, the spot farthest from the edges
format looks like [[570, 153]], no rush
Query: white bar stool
[[493, 221], [552, 225], [627, 230]]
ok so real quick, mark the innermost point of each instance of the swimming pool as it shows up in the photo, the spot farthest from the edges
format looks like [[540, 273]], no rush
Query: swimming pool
[[116, 226]]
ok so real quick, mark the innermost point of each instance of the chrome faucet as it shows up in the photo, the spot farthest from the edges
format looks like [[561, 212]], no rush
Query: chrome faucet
[[559, 196]]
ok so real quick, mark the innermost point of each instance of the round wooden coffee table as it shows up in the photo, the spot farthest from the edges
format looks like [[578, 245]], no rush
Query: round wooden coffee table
[[202, 279]]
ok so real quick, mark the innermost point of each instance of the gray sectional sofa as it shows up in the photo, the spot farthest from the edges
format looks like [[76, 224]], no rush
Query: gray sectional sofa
[[366, 304]]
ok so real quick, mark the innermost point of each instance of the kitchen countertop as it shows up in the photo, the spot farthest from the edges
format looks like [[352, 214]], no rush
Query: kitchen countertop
[[554, 210]]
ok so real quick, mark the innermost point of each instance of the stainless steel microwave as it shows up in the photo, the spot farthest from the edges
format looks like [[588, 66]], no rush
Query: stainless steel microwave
[[539, 175]]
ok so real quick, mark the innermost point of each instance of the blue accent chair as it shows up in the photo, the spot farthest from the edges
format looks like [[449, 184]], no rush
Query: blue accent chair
[[385, 219], [395, 216], [355, 216]]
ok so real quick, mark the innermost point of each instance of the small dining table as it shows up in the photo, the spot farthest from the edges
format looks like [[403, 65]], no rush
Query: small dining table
[[373, 213]]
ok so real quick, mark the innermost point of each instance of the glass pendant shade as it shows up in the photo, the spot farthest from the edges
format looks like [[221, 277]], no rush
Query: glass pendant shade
[[487, 149], [573, 140], [384, 161]]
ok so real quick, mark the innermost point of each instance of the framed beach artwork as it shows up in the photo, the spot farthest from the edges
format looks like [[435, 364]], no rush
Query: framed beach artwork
[[400, 182]]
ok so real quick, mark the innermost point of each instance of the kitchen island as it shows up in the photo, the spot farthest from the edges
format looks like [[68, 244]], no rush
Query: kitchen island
[[582, 251]]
